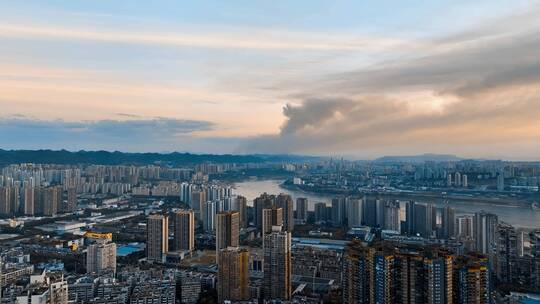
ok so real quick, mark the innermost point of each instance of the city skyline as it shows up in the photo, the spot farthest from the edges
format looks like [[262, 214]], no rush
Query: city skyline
[[310, 78]]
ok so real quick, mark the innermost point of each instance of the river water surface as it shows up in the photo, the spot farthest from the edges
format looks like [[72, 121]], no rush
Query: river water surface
[[514, 215]]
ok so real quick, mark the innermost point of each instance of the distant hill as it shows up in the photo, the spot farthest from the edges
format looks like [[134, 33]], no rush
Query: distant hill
[[122, 158], [418, 158]]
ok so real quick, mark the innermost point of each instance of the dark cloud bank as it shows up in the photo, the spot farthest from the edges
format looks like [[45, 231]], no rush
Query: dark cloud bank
[[488, 78]]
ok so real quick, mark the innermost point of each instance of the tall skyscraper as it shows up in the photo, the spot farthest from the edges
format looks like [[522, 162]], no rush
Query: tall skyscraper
[[5, 201], [208, 215], [379, 212], [464, 227], [241, 205], [157, 237], [264, 201], [507, 256], [70, 204], [277, 265], [465, 182], [457, 179], [534, 239], [425, 216], [485, 232], [471, 280], [233, 274], [285, 202], [185, 193], [369, 212], [409, 225], [198, 199], [500, 182], [386, 273], [391, 216], [339, 214], [29, 200], [320, 212], [51, 198], [448, 221], [227, 229], [354, 212], [302, 208], [101, 257], [184, 230], [272, 217]]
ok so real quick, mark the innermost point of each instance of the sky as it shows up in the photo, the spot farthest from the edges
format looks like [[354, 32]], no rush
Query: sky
[[356, 78]]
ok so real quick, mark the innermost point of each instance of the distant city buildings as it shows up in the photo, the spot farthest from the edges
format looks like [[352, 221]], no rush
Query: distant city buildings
[[402, 250]]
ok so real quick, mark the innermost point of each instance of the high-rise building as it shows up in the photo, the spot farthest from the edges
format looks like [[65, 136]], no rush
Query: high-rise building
[[500, 182], [227, 229], [507, 256], [302, 208], [198, 199], [448, 220], [534, 239], [5, 201], [233, 274], [70, 204], [285, 202], [184, 230], [386, 273], [485, 232], [208, 215], [157, 237], [277, 265], [29, 200], [464, 227], [264, 201], [320, 212], [272, 217], [465, 182], [449, 180], [391, 216], [101, 257], [185, 193], [409, 224], [471, 280], [339, 212], [521, 242], [354, 212], [380, 208], [241, 205], [425, 219], [439, 277], [51, 199], [369, 212], [457, 179]]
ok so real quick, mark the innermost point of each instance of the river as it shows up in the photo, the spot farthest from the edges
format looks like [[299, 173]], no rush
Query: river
[[515, 215]]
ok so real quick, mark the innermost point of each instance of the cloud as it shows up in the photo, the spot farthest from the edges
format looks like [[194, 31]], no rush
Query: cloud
[[476, 93], [154, 134], [232, 38]]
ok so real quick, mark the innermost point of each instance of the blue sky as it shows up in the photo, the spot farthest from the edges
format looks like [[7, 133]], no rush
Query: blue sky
[[268, 76]]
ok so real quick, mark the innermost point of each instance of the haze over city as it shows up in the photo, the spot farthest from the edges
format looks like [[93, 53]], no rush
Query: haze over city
[[363, 79]]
